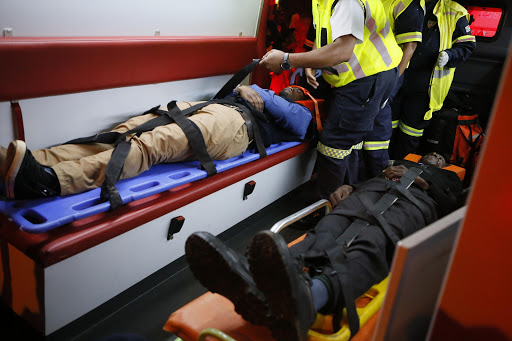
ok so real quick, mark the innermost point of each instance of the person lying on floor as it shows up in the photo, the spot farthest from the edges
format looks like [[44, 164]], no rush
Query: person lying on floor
[[348, 252], [74, 168]]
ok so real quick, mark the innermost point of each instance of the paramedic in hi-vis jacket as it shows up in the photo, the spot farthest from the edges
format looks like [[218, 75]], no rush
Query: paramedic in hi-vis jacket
[[359, 57], [406, 21], [447, 42]]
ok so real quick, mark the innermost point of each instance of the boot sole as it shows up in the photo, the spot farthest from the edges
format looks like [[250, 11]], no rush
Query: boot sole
[[218, 273], [13, 161], [271, 271]]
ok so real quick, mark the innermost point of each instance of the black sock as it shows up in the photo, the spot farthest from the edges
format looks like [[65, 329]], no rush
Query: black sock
[[51, 180]]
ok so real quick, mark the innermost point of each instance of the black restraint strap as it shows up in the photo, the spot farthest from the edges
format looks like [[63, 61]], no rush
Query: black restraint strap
[[113, 137], [112, 173], [255, 129], [376, 211], [236, 79], [227, 89], [338, 262], [122, 147], [194, 136]]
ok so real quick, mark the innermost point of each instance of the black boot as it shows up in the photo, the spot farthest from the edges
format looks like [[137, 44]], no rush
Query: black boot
[[224, 271], [25, 178], [286, 287]]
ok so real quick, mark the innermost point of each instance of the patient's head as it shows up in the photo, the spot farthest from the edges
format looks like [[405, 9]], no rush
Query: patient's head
[[293, 93], [433, 159]]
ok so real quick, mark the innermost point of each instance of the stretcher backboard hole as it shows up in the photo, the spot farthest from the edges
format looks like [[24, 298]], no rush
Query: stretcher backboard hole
[[86, 204], [179, 175], [144, 186], [34, 217]]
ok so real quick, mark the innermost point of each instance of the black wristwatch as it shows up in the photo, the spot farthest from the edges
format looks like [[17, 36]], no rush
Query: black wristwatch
[[285, 65]]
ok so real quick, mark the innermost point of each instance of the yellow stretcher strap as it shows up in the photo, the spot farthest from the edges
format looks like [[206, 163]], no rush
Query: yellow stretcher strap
[[367, 305]]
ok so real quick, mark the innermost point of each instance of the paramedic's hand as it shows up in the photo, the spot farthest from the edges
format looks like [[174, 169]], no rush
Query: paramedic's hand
[[310, 76], [442, 59], [340, 194], [272, 61], [251, 96]]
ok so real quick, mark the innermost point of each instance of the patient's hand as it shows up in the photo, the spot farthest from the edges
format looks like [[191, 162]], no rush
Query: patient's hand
[[340, 194], [394, 172], [251, 96]]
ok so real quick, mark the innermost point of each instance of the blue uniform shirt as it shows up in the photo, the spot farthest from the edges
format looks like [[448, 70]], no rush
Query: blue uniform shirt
[[292, 117]]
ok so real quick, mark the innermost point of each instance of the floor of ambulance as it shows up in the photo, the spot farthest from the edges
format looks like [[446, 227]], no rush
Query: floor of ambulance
[[143, 309]]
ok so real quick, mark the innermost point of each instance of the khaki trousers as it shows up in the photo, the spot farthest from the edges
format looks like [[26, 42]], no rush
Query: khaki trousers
[[82, 167]]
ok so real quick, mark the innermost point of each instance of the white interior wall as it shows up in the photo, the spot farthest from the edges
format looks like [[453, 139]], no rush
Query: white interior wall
[[130, 18], [57, 119]]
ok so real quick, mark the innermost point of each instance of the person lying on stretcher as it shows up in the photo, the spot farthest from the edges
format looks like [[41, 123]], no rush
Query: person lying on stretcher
[[349, 250], [226, 129]]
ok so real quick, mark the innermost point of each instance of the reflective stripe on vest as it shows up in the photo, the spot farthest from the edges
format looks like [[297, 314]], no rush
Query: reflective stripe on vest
[[375, 145], [394, 124], [410, 130], [377, 53], [337, 153], [448, 13]]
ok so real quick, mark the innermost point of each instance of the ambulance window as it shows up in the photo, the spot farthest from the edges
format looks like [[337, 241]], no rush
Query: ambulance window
[[486, 20]]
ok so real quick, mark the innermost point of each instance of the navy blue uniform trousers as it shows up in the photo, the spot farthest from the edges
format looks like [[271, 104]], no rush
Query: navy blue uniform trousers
[[354, 110]]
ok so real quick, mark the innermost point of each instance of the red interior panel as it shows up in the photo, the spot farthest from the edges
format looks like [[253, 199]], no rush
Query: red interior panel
[[36, 67]]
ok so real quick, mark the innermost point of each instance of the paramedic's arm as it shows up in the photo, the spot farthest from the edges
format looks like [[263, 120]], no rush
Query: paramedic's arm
[[408, 50], [339, 51], [463, 44], [408, 31], [251, 96]]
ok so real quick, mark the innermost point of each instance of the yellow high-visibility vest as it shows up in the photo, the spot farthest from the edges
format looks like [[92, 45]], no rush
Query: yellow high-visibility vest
[[377, 53], [448, 13]]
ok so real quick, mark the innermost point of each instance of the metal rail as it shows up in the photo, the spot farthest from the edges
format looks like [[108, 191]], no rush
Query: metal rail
[[281, 224]]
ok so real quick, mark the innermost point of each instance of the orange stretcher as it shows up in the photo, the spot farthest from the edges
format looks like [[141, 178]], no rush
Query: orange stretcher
[[212, 316]]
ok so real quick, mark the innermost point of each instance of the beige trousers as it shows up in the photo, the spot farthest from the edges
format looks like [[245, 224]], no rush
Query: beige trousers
[[82, 167]]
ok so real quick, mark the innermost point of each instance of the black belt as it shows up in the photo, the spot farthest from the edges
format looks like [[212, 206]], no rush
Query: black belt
[[248, 122], [253, 129]]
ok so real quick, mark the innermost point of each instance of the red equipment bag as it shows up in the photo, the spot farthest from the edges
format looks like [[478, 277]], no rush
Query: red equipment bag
[[455, 133], [468, 141]]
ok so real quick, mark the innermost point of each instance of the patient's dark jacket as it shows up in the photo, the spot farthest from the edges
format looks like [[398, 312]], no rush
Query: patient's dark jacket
[[367, 260]]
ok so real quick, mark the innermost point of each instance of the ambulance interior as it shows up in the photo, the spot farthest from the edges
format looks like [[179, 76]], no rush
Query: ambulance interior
[[73, 69]]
